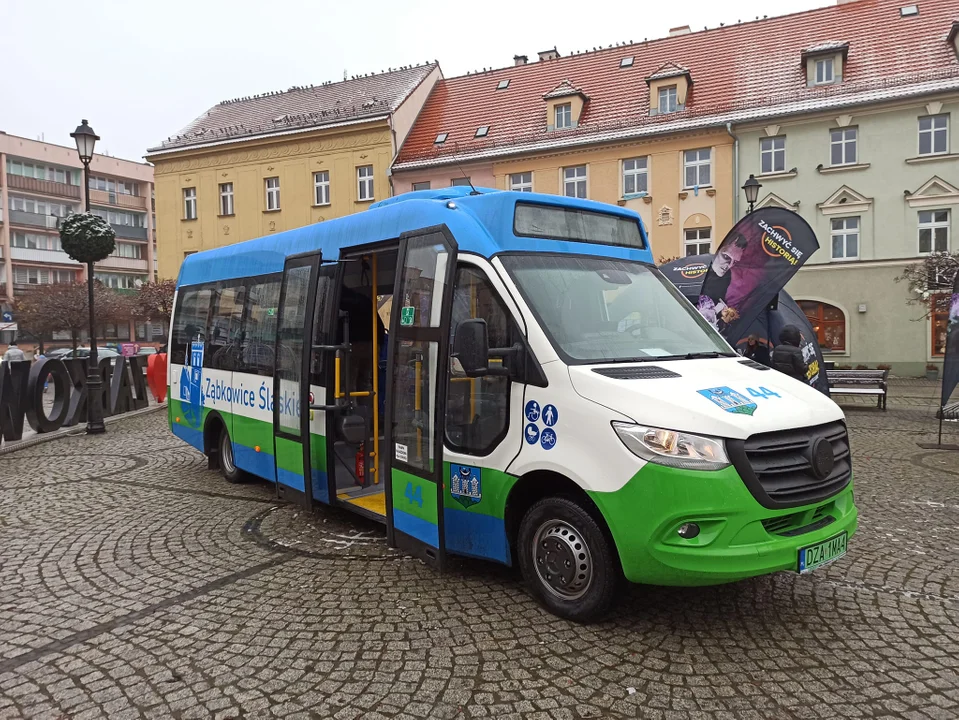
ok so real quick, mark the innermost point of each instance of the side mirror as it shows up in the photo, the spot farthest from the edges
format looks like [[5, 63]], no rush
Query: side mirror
[[471, 347], [353, 429]]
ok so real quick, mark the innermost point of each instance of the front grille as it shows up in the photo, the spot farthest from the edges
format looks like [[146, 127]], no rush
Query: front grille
[[799, 523], [777, 466]]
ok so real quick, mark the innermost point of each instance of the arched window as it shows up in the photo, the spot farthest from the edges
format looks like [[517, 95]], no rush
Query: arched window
[[829, 322]]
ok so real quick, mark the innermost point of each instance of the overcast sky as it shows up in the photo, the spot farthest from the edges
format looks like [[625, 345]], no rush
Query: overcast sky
[[139, 70]]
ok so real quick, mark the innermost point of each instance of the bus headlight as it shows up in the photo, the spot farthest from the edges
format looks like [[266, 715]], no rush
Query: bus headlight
[[673, 448]]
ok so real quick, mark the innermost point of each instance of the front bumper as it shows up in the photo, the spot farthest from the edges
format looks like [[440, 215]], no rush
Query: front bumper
[[738, 538]]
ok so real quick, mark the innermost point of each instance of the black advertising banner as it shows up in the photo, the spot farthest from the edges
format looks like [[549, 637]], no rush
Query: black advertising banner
[[751, 265], [687, 275], [950, 366]]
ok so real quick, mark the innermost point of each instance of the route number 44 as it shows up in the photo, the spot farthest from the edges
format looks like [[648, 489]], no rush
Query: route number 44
[[762, 393], [414, 495]]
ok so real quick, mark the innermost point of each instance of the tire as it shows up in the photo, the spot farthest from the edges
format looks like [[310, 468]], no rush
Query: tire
[[554, 532], [228, 467]]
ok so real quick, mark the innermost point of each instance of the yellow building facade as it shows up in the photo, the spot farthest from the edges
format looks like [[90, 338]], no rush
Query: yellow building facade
[[675, 213], [253, 167]]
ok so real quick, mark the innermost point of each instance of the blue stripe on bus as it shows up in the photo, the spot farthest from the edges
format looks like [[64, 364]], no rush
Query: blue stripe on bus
[[321, 486], [416, 527], [476, 535], [290, 479], [260, 464], [193, 437]]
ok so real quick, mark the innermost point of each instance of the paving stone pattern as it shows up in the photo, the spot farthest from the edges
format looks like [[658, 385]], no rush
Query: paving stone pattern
[[136, 583]]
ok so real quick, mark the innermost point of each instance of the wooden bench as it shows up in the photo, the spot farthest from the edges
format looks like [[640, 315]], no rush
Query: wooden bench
[[860, 382]]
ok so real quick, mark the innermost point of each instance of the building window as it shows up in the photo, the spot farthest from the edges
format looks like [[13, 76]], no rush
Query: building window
[[321, 187], [824, 71], [118, 217], [273, 193], [696, 164], [460, 182], [521, 182], [226, 198], [364, 179], [635, 176], [574, 181], [933, 231], [698, 241], [933, 134], [845, 238], [829, 322], [772, 154], [667, 99], [189, 203], [441, 138], [939, 317], [564, 116], [421, 185], [842, 146], [482, 131]]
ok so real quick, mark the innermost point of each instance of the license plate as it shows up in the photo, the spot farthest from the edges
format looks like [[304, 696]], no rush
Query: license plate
[[815, 556]]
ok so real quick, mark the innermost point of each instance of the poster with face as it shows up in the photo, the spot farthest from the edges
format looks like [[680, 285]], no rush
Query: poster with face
[[950, 365], [752, 264]]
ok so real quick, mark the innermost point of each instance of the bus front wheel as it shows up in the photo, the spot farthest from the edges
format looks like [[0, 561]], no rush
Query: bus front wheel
[[227, 463], [566, 560]]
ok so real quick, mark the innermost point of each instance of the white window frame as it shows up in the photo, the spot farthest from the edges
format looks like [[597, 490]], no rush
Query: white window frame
[[573, 176], [933, 132], [321, 187], [518, 182], [226, 198], [671, 93], [189, 203], [364, 183], [272, 187], [822, 64], [932, 225], [698, 163], [845, 232], [564, 112], [637, 170], [768, 148], [695, 237], [843, 142]]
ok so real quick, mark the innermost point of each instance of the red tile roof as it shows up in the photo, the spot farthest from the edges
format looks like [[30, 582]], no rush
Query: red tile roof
[[743, 68]]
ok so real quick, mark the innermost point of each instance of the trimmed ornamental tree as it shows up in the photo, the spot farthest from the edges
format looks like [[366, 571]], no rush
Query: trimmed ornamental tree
[[87, 238]]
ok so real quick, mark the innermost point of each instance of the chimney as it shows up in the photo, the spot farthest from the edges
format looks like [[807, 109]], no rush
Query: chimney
[[548, 54], [681, 30], [520, 60]]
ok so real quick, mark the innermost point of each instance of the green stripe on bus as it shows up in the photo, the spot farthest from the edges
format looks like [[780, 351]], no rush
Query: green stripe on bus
[[289, 455], [414, 495], [495, 486]]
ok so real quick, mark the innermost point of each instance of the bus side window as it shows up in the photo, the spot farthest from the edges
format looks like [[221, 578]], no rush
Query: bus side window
[[193, 307], [477, 409], [222, 352], [258, 336]]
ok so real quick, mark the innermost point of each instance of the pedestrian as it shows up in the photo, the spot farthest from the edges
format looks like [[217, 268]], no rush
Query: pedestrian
[[14, 353], [757, 351], [37, 357], [787, 357]]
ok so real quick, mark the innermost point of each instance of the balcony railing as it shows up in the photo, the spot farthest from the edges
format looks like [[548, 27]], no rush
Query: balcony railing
[[21, 217], [103, 197], [122, 263], [57, 257], [46, 187], [129, 231]]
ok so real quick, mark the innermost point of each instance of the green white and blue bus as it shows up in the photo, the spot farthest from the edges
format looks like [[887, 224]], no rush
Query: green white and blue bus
[[506, 376]]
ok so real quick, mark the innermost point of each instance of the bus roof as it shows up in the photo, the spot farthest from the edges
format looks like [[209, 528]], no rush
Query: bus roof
[[481, 223]]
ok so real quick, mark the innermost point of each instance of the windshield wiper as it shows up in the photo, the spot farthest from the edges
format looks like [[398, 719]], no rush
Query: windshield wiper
[[697, 355]]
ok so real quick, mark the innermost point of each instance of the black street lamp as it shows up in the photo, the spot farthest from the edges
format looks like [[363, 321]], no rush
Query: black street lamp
[[86, 139], [751, 188]]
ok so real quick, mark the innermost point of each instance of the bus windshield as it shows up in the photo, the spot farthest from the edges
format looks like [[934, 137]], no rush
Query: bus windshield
[[598, 310]]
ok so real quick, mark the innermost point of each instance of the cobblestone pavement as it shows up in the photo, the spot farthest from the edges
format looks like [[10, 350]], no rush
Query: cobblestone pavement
[[136, 583]]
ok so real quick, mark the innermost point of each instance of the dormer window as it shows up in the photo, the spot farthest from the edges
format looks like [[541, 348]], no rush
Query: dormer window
[[564, 116], [482, 131], [667, 99], [824, 71], [441, 138], [565, 105]]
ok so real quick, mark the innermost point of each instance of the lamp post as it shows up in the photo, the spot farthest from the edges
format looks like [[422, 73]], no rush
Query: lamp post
[[751, 188], [86, 139]]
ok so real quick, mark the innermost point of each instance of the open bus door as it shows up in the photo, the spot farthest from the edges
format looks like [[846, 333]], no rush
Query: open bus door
[[303, 279], [417, 368]]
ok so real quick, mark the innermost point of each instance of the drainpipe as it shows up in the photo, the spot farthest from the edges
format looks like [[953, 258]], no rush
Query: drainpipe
[[729, 129]]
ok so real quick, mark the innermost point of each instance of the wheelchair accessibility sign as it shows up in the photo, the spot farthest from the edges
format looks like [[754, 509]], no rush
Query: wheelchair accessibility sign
[[535, 414]]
